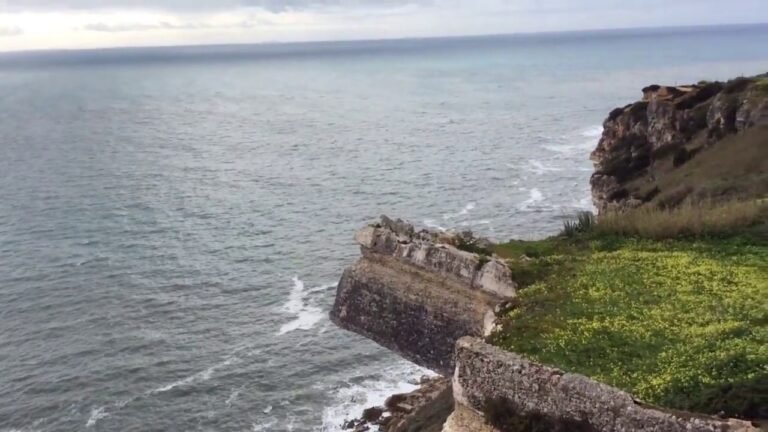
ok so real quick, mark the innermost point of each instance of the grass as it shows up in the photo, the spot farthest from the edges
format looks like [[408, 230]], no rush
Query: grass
[[678, 323], [736, 167], [690, 219], [761, 85]]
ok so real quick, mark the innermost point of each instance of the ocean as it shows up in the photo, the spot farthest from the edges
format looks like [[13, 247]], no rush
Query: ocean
[[173, 221]]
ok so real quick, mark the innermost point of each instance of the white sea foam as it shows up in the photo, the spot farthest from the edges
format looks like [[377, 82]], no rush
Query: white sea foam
[[268, 409], [430, 223], [96, 415], [351, 400], [535, 196], [232, 397], [474, 223], [463, 212], [585, 140], [266, 426], [198, 377], [592, 132], [302, 307], [537, 167]]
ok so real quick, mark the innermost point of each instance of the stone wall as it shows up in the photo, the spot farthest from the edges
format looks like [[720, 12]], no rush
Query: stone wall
[[417, 296], [520, 393]]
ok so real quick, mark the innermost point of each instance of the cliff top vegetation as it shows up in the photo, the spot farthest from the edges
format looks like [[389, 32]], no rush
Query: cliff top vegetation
[[669, 305]]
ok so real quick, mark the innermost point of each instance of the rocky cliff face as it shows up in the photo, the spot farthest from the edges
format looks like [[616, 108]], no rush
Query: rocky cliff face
[[669, 126], [417, 296]]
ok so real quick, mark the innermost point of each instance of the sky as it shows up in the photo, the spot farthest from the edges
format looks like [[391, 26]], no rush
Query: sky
[[76, 24]]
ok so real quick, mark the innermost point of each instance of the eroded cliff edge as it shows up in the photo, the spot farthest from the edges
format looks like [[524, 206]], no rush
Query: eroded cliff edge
[[418, 294]]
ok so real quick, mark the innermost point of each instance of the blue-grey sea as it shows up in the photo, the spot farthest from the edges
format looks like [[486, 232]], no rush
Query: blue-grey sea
[[173, 221]]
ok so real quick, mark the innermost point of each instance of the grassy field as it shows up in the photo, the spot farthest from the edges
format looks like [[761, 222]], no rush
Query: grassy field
[[681, 322]]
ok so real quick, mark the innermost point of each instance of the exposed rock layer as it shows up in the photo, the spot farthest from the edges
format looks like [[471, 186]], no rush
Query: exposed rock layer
[[424, 410], [670, 122]]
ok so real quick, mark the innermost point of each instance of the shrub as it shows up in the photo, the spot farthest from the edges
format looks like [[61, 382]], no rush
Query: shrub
[[707, 218], [761, 85], [467, 242], [584, 223], [737, 85]]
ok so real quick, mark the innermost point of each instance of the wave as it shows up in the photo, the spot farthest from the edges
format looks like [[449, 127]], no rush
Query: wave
[[534, 196], [306, 312], [473, 223], [587, 140], [592, 132], [96, 415], [266, 426], [351, 400], [19, 430], [431, 224], [232, 397], [198, 377], [463, 212], [537, 167]]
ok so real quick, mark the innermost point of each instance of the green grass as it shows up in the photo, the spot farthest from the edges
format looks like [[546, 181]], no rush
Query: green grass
[[678, 323]]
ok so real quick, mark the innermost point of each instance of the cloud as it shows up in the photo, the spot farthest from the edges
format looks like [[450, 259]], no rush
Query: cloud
[[10, 31], [133, 27], [199, 5]]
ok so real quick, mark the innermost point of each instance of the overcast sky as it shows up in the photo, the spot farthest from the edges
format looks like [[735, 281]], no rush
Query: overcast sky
[[43, 24]]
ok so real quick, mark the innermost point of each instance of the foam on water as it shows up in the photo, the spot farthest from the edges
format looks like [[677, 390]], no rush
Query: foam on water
[[431, 224], [463, 212], [592, 131], [580, 143], [534, 196], [475, 222], [265, 426], [537, 167], [350, 400], [96, 415], [198, 377], [299, 304]]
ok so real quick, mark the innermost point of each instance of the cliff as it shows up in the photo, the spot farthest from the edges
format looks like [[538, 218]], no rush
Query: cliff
[[568, 333], [706, 140], [418, 295]]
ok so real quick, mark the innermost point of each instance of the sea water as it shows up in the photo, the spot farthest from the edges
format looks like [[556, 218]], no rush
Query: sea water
[[173, 221]]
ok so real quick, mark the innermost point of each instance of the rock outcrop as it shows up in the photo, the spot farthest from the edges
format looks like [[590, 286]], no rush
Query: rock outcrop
[[424, 410], [669, 124], [417, 296], [497, 390]]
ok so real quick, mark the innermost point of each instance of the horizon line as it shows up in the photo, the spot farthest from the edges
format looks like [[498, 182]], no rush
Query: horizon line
[[383, 39]]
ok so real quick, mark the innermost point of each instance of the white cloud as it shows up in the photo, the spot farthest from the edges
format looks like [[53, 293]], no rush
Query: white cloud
[[10, 31], [97, 23]]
